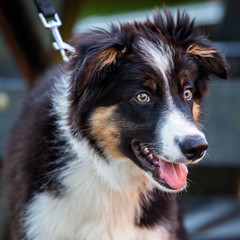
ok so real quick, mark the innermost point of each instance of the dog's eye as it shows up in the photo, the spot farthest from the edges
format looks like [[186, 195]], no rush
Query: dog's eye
[[143, 97], [188, 94]]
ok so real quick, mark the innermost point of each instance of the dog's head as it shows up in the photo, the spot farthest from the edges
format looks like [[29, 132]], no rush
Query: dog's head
[[137, 91]]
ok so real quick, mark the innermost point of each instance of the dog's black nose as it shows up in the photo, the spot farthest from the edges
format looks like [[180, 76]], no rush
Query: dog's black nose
[[193, 147]]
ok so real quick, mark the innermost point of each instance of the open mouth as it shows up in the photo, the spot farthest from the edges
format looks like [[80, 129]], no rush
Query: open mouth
[[172, 176]]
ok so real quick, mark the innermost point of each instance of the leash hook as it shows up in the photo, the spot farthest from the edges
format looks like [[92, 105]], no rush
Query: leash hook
[[59, 44]]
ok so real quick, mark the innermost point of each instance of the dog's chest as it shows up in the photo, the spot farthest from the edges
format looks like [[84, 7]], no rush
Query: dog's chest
[[70, 219]]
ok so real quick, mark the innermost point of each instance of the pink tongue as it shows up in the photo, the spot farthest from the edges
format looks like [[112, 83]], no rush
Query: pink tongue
[[174, 174]]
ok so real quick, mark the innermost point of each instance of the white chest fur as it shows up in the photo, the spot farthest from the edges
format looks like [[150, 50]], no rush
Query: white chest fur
[[89, 209]]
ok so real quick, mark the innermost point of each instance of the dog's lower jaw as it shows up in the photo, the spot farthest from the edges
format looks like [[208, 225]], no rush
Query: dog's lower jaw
[[167, 176]]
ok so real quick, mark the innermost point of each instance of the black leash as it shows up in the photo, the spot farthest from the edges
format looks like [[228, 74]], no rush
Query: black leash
[[51, 20]]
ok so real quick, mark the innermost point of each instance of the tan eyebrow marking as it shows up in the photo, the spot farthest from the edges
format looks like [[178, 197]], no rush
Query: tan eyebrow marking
[[151, 84], [182, 81], [183, 77]]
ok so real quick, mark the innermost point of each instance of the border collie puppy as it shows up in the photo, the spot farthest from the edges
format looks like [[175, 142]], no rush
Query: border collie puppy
[[100, 141]]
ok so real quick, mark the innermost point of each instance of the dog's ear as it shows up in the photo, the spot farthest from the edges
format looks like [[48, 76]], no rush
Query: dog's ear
[[212, 60], [106, 58], [98, 53]]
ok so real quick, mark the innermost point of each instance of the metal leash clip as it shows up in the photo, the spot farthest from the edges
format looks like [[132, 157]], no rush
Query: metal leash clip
[[59, 44]]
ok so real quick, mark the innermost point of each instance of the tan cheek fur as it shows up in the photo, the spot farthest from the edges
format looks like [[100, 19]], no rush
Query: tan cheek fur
[[106, 130], [196, 111]]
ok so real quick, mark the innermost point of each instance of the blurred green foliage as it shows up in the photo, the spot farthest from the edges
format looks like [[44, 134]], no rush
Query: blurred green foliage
[[104, 7]]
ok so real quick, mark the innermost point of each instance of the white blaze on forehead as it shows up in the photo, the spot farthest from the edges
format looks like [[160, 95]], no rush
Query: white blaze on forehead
[[160, 57]]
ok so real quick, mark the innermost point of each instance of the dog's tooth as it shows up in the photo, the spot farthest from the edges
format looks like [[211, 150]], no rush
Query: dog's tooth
[[146, 150], [150, 156], [156, 162]]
